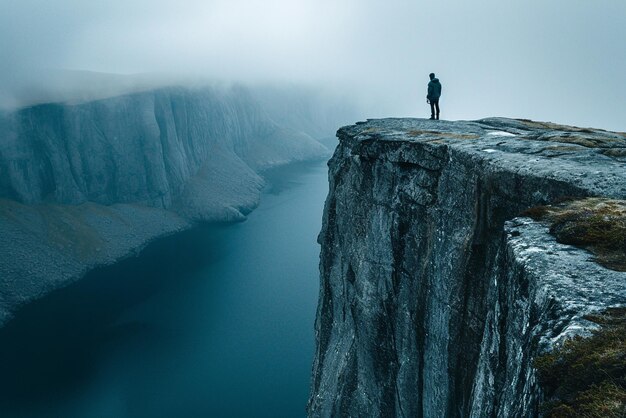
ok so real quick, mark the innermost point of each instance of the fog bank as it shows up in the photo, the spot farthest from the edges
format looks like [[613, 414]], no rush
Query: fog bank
[[562, 61]]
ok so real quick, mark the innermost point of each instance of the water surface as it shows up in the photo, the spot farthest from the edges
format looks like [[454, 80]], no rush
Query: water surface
[[213, 322]]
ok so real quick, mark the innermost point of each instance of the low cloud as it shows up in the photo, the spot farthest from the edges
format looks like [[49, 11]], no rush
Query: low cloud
[[562, 60]]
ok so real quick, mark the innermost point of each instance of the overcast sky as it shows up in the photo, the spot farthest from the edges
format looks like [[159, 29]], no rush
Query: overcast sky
[[558, 60]]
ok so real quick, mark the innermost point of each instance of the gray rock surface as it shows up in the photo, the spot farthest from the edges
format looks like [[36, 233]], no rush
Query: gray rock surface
[[83, 185], [435, 296]]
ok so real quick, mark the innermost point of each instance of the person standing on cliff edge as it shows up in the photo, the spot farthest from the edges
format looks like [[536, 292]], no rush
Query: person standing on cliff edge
[[434, 92]]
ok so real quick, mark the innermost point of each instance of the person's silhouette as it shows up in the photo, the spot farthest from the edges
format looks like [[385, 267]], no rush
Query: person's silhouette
[[434, 92]]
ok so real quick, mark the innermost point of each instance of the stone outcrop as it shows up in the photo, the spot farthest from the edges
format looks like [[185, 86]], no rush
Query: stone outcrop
[[82, 185], [436, 294]]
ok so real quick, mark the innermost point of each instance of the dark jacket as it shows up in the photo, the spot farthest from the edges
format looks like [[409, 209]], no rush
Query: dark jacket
[[434, 89]]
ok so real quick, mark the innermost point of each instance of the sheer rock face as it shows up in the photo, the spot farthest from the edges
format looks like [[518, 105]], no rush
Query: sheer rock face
[[83, 185], [435, 296], [141, 148]]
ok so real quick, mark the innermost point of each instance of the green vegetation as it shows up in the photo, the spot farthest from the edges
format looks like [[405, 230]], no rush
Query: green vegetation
[[597, 224], [586, 377], [610, 143], [556, 126], [615, 152]]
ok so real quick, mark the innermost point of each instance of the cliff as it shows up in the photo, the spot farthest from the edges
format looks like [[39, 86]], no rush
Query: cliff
[[437, 294], [82, 185]]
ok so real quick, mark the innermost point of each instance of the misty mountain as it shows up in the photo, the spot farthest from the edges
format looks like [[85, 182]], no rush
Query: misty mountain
[[83, 184]]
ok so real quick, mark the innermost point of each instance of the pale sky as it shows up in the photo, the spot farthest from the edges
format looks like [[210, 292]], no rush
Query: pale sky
[[556, 60]]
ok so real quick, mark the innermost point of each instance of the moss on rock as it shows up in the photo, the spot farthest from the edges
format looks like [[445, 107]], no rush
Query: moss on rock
[[597, 224], [586, 377]]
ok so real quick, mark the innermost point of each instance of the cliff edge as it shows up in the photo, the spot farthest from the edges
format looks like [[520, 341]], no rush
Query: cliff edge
[[439, 284]]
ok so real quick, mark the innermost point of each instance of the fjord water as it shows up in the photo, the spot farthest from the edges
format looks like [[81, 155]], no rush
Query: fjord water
[[213, 322]]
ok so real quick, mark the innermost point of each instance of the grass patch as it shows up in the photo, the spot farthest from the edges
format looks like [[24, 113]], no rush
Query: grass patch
[[603, 143], [615, 152], [609, 142], [556, 126], [596, 224], [578, 140], [586, 377]]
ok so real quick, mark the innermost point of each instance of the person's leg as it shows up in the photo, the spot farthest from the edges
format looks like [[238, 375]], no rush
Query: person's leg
[[437, 106], [432, 109]]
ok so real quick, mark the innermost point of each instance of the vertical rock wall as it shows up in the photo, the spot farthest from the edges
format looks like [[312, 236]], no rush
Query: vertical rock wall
[[426, 309], [141, 147]]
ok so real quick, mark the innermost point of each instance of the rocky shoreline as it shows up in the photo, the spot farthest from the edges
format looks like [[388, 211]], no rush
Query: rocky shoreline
[[85, 185]]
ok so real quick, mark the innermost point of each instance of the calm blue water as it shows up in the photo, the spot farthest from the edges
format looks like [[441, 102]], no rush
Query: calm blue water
[[214, 322]]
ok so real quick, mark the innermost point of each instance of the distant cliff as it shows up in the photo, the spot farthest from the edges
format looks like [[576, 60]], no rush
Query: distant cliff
[[436, 293], [82, 185]]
